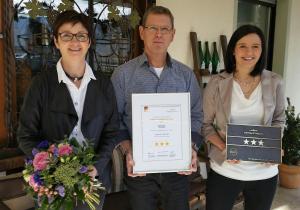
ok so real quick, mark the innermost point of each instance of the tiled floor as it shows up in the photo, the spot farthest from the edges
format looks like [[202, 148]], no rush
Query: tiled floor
[[285, 199]]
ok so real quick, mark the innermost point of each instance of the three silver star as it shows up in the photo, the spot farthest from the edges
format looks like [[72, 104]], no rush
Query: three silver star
[[253, 142], [246, 141], [261, 143]]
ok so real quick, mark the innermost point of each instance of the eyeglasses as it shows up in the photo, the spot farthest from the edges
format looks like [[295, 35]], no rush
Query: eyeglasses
[[155, 29], [82, 37]]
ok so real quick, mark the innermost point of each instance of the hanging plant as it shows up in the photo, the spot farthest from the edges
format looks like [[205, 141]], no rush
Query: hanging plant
[[35, 8], [113, 13], [134, 19], [65, 5], [41, 8]]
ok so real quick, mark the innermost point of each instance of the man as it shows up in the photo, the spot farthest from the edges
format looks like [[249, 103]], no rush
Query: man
[[156, 72], [72, 100]]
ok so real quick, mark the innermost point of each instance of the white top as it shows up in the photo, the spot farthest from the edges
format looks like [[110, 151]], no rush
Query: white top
[[77, 95], [158, 70], [248, 112]]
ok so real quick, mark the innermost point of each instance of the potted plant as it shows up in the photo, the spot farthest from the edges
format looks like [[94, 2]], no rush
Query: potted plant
[[289, 170]]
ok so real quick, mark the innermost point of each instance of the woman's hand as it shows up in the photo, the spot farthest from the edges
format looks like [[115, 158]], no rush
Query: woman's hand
[[93, 172], [222, 134], [216, 140], [233, 161]]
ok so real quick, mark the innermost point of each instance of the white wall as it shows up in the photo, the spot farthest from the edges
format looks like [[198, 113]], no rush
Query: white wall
[[209, 18], [292, 55]]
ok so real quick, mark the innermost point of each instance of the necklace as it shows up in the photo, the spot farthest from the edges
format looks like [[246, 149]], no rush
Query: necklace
[[74, 79], [247, 85]]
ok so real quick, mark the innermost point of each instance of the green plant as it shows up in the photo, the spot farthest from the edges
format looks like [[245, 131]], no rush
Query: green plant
[[291, 137], [48, 8]]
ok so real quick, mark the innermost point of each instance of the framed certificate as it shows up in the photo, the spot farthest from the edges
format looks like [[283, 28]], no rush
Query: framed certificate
[[161, 132], [253, 143]]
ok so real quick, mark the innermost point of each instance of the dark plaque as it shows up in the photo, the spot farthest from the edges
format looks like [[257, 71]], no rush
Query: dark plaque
[[253, 143]]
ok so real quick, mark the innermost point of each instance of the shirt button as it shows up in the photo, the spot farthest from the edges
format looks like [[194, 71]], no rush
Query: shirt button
[[76, 103]]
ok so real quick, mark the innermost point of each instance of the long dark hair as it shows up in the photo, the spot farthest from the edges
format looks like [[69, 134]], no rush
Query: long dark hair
[[236, 36]]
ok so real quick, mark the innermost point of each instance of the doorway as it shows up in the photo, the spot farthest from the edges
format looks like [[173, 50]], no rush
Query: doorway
[[261, 14]]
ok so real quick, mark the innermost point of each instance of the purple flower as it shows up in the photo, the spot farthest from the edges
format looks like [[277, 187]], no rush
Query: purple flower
[[83, 169], [37, 178], [43, 145], [28, 161], [50, 198], [55, 152], [35, 151], [61, 190]]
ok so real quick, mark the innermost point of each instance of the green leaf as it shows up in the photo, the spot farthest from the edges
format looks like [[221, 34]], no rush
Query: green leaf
[[65, 5], [35, 8], [134, 18], [113, 13], [291, 137], [44, 202], [68, 204], [74, 142]]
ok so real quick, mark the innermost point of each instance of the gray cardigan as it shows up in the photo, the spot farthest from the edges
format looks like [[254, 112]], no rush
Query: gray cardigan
[[217, 106]]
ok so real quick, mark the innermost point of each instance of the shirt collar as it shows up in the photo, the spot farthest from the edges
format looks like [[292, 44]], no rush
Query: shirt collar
[[144, 60], [88, 73]]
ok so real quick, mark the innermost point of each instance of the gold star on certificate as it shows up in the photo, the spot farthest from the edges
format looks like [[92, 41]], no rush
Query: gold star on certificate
[[261, 143], [253, 142], [246, 141]]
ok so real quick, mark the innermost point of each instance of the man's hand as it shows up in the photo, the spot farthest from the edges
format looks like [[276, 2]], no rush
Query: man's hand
[[130, 164], [127, 150], [193, 166]]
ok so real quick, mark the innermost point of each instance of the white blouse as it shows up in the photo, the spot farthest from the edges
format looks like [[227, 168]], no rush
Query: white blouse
[[248, 112], [77, 95]]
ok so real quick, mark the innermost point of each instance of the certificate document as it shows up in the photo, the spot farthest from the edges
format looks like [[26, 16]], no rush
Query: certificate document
[[253, 143], [161, 132]]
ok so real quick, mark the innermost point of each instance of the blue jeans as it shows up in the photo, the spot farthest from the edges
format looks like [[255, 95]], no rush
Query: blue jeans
[[147, 192]]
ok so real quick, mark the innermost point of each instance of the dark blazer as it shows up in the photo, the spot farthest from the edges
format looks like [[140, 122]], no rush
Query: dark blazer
[[48, 113]]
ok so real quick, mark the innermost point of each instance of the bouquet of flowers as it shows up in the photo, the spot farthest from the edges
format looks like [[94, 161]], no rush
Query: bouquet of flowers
[[58, 175]]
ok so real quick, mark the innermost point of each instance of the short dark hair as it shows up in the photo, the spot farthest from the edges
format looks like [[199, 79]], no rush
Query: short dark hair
[[71, 16], [158, 10], [236, 36]]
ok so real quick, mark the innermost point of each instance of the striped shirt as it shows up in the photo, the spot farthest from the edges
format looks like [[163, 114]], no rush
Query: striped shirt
[[137, 76]]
